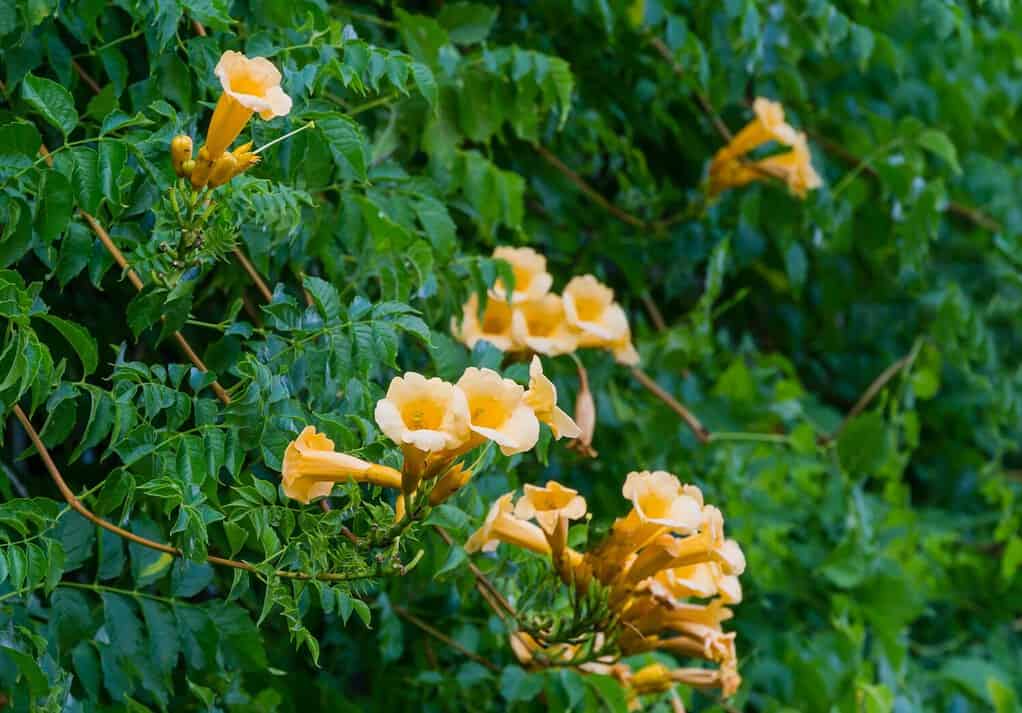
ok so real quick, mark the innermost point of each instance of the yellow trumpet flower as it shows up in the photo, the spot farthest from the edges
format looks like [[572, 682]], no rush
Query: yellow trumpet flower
[[502, 526], [311, 467], [428, 414], [532, 281], [589, 306], [548, 504], [541, 326], [498, 411], [542, 399], [494, 326], [250, 86]]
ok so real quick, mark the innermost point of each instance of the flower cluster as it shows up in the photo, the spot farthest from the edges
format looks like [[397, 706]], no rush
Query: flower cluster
[[668, 550], [730, 168], [531, 318], [250, 86], [435, 423]]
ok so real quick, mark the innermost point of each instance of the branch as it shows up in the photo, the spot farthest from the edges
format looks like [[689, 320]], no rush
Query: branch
[[588, 190], [136, 281], [704, 103], [80, 508], [493, 597], [878, 384], [405, 614], [702, 434], [654, 311], [253, 274]]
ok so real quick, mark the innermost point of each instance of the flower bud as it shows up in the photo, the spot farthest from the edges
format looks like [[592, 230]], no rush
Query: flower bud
[[180, 152], [187, 167], [203, 166], [585, 416], [224, 169], [245, 157]]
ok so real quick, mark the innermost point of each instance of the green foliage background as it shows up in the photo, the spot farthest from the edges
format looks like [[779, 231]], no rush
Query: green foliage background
[[883, 564]]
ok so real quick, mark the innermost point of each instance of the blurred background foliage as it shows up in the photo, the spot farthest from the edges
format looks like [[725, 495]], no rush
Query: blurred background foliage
[[881, 524]]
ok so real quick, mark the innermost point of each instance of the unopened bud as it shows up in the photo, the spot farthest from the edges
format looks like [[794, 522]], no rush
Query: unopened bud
[[180, 152], [585, 415], [246, 159], [224, 169], [187, 167], [449, 483], [202, 168]]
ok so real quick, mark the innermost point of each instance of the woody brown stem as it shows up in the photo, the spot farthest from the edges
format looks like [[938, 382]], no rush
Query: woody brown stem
[[79, 507], [408, 616], [701, 433], [588, 190]]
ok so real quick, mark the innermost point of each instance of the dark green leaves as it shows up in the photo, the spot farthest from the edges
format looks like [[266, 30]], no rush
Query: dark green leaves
[[52, 101], [80, 340], [53, 211], [347, 143]]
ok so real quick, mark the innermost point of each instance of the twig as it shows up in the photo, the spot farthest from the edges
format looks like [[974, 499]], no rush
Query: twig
[[15, 482], [80, 508], [85, 77], [405, 614], [960, 210], [484, 585], [590, 192], [654, 311], [136, 281], [253, 274], [875, 388], [704, 103], [701, 433]]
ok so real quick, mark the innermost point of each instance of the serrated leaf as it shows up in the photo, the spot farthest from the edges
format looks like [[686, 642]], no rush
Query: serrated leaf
[[52, 101], [80, 340]]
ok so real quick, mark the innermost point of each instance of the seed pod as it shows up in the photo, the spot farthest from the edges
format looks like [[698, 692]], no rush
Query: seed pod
[[180, 152], [224, 169]]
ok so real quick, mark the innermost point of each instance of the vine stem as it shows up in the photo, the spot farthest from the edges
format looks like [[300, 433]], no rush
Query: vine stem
[[407, 615], [700, 431], [878, 384], [136, 281], [92, 517], [588, 190]]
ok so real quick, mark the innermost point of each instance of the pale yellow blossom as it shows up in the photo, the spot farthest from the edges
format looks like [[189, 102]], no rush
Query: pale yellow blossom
[[542, 399], [498, 411], [249, 86], [494, 326], [428, 414], [550, 503], [311, 467], [541, 326], [532, 281], [502, 526]]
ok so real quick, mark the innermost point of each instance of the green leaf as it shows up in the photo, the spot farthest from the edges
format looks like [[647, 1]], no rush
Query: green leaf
[[326, 297], [85, 178], [862, 446], [467, 23], [938, 143], [53, 211], [518, 685], [52, 101], [79, 339], [347, 143]]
